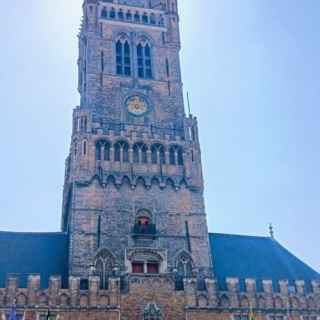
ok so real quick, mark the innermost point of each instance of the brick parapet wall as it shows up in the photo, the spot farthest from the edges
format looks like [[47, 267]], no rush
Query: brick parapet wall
[[151, 288]]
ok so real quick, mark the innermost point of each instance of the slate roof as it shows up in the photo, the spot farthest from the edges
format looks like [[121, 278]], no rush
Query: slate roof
[[258, 258], [33, 253], [233, 256]]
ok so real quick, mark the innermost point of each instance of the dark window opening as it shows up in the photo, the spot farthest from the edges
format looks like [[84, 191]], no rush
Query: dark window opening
[[104, 13], [129, 15], [137, 267], [123, 58], [84, 284], [84, 148], [145, 18], [112, 13], [102, 61], [117, 153], [167, 68], [120, 15], [153, 267], [144, 61], [137, 17], [143, 221]]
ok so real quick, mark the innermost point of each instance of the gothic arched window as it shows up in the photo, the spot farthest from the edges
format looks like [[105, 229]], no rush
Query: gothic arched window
[[112, 13], [129, 15], [152, 312], [145, 18], [184, 265], [104, 13], [176, 155], [144, 61], [123, 58], [120, 14], [104, 265], [137, 17], [184, 268], [143, 224], [121, 152], [140, 153], [157, 154], [103, 150]]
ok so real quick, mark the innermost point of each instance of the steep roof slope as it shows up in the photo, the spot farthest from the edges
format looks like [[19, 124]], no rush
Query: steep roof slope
[[256, 257], [33, 253]]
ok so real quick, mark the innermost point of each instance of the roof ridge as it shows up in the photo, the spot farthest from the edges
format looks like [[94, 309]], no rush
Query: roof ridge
[[240, 235], [33, 233]]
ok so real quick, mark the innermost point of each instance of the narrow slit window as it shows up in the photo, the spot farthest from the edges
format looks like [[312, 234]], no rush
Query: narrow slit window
[[167, 68], [102, 61], [84, 148]]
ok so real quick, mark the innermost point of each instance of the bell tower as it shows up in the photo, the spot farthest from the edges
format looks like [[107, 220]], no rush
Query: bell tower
[[133, 192]]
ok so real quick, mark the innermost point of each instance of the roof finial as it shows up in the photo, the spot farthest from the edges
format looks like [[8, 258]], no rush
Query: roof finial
[[271, 231]]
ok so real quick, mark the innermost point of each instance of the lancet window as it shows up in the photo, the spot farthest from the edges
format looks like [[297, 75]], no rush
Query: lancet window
[[144, 61], [104, 265], [123, 58]]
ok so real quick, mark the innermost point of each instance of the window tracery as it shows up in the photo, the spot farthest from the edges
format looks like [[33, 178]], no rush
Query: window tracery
[[103, 150], [176, 155], [140, 153], [152, 312], [144, 60], [104, 265], [121, 152], [123, 58], [157, 154], [184, 267]]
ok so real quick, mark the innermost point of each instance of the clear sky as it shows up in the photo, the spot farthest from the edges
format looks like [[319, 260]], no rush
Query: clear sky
[[252, 68]]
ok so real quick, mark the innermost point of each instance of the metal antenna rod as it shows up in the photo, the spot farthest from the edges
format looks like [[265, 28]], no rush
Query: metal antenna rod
[[189, 108], [271, 231]]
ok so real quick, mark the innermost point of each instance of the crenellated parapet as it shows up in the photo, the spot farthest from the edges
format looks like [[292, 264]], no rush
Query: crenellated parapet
[[85, 123], [79, 294], [84, 297], [114, 152], [272, 297]]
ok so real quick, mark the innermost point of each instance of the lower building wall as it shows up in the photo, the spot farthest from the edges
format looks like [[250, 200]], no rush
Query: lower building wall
[[145, 291], [157, 296], [208, 315], [172, 310], [258, 315]]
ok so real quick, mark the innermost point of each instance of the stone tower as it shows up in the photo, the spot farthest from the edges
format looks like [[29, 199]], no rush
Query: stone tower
[[133, 192]]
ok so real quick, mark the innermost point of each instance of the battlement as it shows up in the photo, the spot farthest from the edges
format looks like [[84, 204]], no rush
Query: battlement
[[80, 293], [250, 297], [84, 123], [269, 286], [88, 293]]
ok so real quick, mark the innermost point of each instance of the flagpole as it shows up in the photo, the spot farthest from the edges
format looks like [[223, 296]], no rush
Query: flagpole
[[251, 314], [288, 309]]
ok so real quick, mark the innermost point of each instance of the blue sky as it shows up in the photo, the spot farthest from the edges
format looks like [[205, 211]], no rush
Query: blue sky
[[252, 68]]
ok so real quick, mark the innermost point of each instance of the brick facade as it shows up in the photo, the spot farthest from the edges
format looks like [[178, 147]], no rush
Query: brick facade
[[133, 205], [108, 194]]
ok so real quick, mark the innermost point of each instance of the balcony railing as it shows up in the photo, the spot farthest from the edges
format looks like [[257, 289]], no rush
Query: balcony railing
[[144, 230]]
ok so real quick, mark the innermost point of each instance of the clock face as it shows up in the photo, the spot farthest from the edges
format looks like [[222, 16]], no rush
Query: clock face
[[137, 105]]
